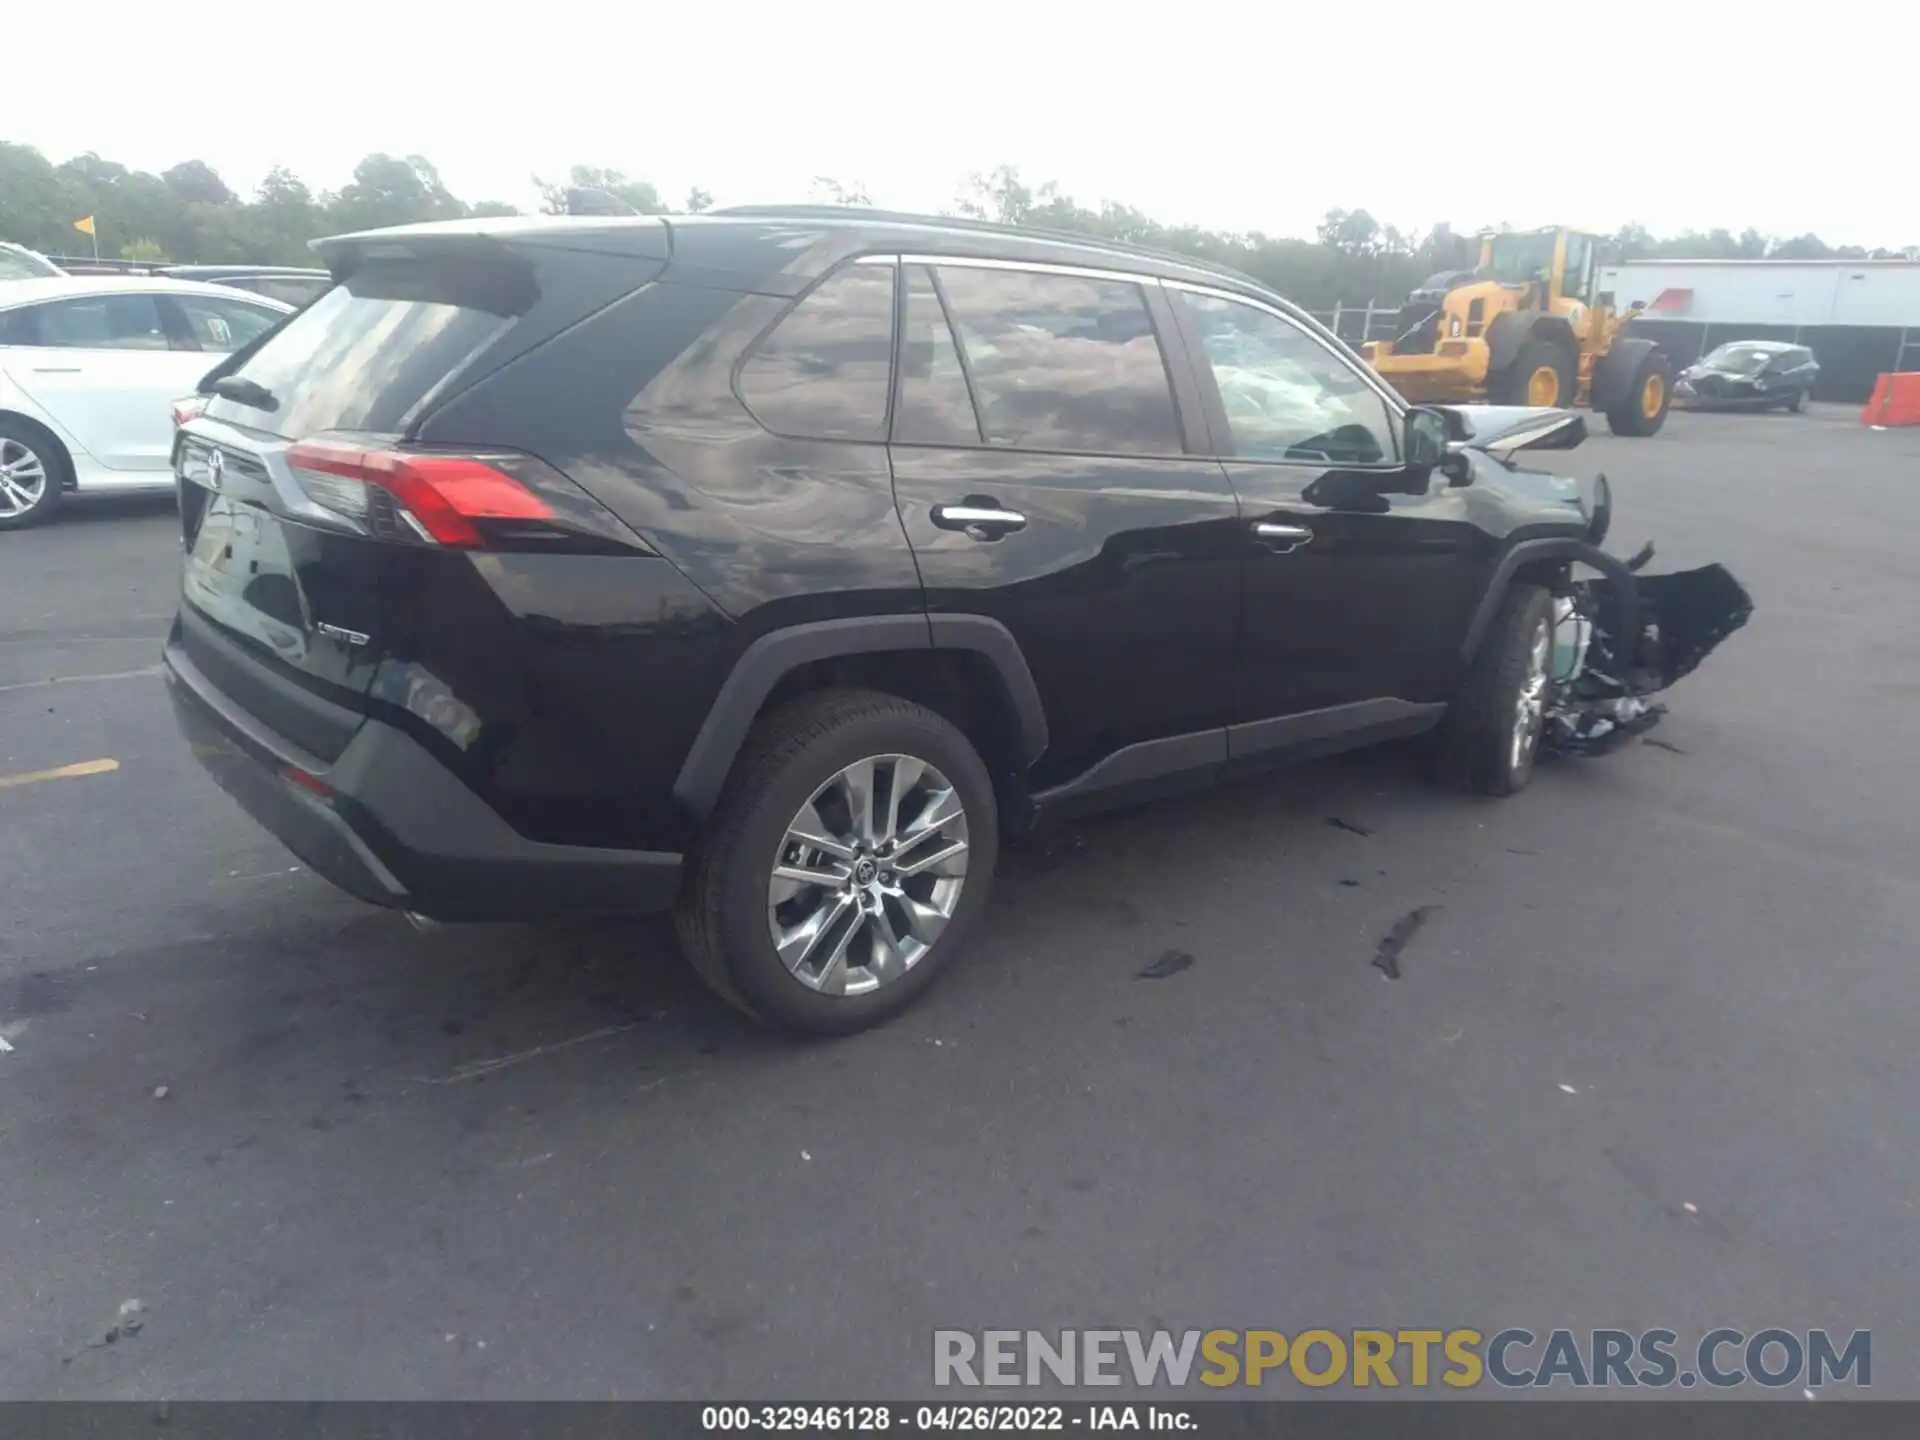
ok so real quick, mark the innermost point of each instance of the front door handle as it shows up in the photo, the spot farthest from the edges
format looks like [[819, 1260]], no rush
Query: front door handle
[[1281, 539], [978, 522]]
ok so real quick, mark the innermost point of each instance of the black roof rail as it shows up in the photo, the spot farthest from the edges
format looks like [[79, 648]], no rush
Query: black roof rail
[[987, 227]]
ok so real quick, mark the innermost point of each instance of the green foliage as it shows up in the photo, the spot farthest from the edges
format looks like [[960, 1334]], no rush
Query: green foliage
[[637, 193], [187, 213]]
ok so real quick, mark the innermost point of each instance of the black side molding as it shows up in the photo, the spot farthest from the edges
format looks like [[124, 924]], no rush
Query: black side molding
[[1313, 733], [773, 655], [993, 640], [1147, 770]]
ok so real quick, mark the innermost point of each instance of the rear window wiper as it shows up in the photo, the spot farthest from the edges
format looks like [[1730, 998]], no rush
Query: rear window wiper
[[246, 392]]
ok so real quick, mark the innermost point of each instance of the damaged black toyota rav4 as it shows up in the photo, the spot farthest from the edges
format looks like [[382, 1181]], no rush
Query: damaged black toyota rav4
[[771, 566]]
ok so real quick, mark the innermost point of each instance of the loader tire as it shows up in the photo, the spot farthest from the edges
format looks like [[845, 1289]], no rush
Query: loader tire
[[1642, 410], [1542, 374]]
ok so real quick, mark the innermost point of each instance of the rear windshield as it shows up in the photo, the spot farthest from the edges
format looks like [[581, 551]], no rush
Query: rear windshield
[[364, 355]]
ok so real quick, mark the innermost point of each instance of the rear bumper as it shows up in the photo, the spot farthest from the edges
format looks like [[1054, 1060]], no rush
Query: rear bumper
[[388, 823]]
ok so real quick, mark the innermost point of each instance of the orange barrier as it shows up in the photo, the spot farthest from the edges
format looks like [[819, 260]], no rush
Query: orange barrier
[[1896, 401]]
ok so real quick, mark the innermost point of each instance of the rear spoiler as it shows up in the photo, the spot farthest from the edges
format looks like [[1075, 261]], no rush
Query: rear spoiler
[[627, 236]]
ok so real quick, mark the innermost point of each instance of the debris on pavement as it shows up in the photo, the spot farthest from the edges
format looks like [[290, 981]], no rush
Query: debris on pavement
[[1387, 958], [1171, 962], [1690, 1207], [124, 1327], [1349, 883], [1341, 823], [1569, 1089], [806, 1155], [4, 1046], [1660, 744], [160, 1092]]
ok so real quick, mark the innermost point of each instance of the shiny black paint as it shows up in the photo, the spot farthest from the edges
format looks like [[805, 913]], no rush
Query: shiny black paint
[[1122, 589], [256, 588], [563, 689], [1372, 606], [636, 405], [566, 691]]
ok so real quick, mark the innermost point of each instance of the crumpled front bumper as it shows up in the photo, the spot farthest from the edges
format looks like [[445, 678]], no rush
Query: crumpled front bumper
[[1679, 620]]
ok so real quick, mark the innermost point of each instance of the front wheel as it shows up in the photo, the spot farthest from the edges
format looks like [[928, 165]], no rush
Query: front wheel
[[1798, 402], [849, 855], [1541, 375], [32, 472], [1491, 734], [1642, 409]]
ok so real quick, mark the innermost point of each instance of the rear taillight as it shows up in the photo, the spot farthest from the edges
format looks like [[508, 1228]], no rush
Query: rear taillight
[[474, 501], [186, 409]]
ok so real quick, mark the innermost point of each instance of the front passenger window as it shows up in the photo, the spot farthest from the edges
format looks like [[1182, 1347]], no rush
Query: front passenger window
[[1287, 396]]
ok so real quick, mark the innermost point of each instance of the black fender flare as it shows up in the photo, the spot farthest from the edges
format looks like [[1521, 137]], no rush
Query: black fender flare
[[1613, 372], [1556, 547], [776, 654]]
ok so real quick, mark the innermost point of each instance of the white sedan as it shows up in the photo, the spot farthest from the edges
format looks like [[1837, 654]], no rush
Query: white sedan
[[89, 368]]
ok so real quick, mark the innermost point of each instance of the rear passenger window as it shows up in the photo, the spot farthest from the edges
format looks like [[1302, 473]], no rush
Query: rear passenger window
[[1062, 363], [935, 408], [823, 372], [99, 322]]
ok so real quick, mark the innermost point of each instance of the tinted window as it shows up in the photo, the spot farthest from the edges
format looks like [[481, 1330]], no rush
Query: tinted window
[[17, 264], [1288, 397], [224, 326], [373, 347], [289, 288], [823, 371], [1062, 363], [98, 322], [935, 407], [1579, 255]]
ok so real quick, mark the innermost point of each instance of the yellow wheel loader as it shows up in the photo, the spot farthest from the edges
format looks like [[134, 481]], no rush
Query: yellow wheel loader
[[1525, 328]]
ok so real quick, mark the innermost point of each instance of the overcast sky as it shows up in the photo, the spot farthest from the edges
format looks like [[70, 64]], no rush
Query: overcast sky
[[1786, 117]]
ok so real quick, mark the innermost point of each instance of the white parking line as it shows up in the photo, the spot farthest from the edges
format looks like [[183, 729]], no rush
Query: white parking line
[[76, 679]]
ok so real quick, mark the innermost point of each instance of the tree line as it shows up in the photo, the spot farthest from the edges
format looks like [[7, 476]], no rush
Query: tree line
[[188, 214]]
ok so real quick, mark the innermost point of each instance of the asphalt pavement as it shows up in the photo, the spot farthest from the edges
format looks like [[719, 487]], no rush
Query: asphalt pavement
[[1650, 1060]]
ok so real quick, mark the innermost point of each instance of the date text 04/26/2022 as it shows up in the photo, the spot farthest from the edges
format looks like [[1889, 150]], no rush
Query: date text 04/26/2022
[[877, 1418]]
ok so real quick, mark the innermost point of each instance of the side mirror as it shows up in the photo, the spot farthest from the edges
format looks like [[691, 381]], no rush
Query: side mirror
[[1429, 446], [1426, 437]]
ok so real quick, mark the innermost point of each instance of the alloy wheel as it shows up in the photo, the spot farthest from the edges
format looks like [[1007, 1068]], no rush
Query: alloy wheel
[[23, 477], [1530, 706], [868, 875]]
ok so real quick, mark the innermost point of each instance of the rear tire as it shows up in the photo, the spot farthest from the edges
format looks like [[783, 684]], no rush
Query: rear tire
[[1649, 395], [1798, 402], [1541, 366], [791, 778], [1491, 735], [33, 475]]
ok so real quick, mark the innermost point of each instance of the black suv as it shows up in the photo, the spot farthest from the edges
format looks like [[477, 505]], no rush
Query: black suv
[[772, 565]]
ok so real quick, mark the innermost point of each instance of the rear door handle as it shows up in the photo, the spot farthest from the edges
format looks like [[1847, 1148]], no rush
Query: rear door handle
[[1281, 539], [57, 370], [978, 522]]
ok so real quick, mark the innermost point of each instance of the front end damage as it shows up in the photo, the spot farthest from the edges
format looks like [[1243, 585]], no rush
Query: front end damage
[[1625, 637], [1621, 638]]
